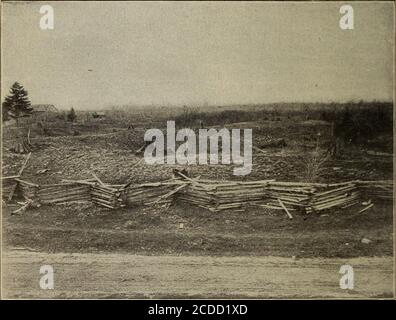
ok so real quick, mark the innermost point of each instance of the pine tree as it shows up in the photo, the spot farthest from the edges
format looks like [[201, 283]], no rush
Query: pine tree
[[17, 103]]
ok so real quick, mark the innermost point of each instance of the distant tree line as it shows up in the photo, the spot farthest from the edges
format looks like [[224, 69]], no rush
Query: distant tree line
[[353, 121]]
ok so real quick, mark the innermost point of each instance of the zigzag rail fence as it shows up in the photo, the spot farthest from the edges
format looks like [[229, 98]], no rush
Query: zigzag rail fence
[[209, 194]]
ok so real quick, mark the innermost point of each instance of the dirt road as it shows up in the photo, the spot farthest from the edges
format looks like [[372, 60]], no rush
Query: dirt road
[[100, 275]]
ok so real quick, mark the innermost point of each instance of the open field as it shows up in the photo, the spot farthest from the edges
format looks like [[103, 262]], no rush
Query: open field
[[111, 156], [214, 149], [82, 236]]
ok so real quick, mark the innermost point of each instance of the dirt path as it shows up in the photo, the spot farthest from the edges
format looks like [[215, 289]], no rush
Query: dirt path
[[88, 275]]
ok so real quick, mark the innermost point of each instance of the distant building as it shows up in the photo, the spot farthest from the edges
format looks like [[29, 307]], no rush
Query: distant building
[[44, 108], [44, 112]]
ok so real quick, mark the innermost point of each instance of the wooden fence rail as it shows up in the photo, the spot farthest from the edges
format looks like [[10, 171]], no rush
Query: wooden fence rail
[[209, 194]]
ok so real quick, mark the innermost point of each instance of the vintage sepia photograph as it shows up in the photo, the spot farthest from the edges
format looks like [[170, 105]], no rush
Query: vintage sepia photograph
[[197, 150]]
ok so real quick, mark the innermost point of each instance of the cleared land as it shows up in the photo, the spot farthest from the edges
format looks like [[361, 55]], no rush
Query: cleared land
[[86, 228], [184, 250]]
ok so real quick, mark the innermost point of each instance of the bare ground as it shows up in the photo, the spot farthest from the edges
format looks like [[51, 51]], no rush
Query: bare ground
[[90, 275], [86, 228], [143, 252]]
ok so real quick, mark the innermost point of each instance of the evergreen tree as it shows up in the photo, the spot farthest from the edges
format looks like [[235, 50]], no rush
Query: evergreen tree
[[17, 103]]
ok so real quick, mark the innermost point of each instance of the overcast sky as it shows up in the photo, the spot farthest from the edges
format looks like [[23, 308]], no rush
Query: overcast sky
[[194, 53]]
